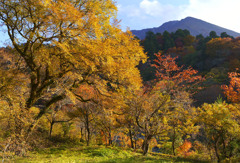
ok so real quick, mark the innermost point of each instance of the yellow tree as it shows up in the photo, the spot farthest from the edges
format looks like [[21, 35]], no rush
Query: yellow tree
[[149, 110], [221, 127], [66, 43], [181, 119]]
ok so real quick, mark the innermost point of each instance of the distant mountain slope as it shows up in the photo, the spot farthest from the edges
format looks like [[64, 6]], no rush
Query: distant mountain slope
[[195, 26]]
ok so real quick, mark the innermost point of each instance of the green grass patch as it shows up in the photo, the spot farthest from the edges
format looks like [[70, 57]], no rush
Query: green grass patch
[[99, 154]]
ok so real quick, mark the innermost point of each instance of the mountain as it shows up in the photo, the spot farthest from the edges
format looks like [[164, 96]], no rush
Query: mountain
[[195, 26]]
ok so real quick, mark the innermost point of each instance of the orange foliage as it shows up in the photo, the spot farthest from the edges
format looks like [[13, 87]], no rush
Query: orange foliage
[[184, 149], [232, 91], [86, 91]]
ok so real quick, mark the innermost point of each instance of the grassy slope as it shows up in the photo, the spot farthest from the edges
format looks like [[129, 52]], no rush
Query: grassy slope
[[94, 154]]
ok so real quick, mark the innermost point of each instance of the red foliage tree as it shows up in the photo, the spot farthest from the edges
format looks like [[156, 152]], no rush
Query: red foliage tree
[[176, 82], [168, 70]]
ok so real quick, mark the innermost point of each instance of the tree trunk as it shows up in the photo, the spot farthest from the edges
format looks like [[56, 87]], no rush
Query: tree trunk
[[224, 148], [216, 150], [131, 138], [88, 133], [135, 142], [173, 141], [109, 138], [87, 126], [51, 128], [81, 135], [88, 137], [145, 145]]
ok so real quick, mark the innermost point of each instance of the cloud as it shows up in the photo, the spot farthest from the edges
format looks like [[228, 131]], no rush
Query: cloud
[[153, 8], [220, 12], [156, 9], [129, 11]]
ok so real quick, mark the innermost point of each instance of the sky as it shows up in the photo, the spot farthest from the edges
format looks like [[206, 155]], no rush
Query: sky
[[140, 14]]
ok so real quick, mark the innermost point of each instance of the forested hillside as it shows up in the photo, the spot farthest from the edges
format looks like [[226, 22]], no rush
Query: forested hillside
[[212, 56], [72, 82]]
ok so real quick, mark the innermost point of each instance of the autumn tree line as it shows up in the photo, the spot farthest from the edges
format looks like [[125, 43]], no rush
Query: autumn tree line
[[71, 74], [212, 55]]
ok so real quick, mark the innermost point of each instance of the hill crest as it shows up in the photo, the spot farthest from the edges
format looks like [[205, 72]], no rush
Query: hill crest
[[194, 25]]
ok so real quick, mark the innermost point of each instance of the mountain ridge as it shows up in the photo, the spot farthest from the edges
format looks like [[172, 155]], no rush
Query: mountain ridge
[[194, 25]]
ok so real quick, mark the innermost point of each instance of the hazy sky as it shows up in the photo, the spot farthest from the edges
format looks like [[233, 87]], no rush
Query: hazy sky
[[139, 14]]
